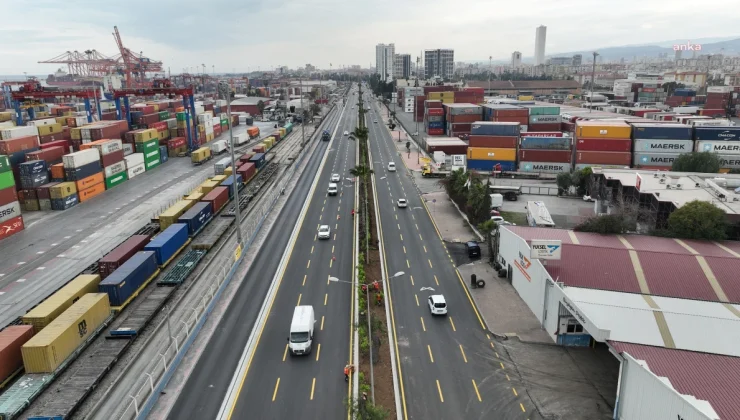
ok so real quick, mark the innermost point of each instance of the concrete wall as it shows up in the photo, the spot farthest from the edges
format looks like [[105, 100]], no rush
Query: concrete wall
[[528, 276]]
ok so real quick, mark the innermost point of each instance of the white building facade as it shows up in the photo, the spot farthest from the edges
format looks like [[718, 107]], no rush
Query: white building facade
[[385, 61]]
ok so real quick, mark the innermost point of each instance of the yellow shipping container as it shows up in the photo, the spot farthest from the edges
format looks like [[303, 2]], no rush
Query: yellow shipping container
[[196, 196], [228, 171], [210, 137], [282, 132], [434, 96], [208, 186], [170, 216], [219, 178], [200, 155], [448, 100], [54, 305], [75, 133], [603, 129], [49, 348], [173, 132], [146, 135], [526, 98], [63, 190], [268, 142], [490, 153], [6, 116], [61, 120], [50, 129]]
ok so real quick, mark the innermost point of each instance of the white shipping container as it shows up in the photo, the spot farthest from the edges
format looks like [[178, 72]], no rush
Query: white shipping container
[[209, 130], [134, 159], [86, 135], [199, 109], [171, 123], [240, 138], [81, 120], [109, 147], [202, 118], [717, 122], [115, 169], [218, 147], [83, 157], [722, 147], [7, 124], [45, 121], [136, 170], [208, 123], [128, 149], [9, 211], [15, 132]]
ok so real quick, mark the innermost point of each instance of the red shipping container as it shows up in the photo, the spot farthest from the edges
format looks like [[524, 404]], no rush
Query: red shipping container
[[146, 109], [108, 131], [520, 120], [459, 128], [712, 112], [542, 134], [604, 158], [9, 228], [217, 197], [42, 192], [464, 118], [10, 146], [28, 194], [121, 254], [149, 119], [435, 111], [112, 158], [216, 130], [500, 142], [49, 155], [559, 156], [8, 195], [159, 126], [479, 91], [56, 143], [176, 142], [247, 171], [543, 127], [604, 145], [259, 149], [12, 339], [109, 116], [430, 104]]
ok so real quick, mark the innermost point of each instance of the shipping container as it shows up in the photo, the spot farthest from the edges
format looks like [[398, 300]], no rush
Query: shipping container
[[116, 168], [34, 181], [19, 157], [258, 159], [495, 129], [605, 158], [11, 227], [232, 182], [53, 306], [112, 158], [489, 165], [91, 192], [663, 146], [7, 180], [15, 132], [62, 190], [85, 171], [54, 344], [8, 195], [32, 167], [81, 158], [543, 110], [4, 164], [135, 171], [548, 143], [197, 217], [544, 167], [10, 211], [134, 159], [168, 243], [661, 131], [17, 144], [88, 182], [122, 253], [539, 155], [504, 142], [50, 155], [721, 147], [208, 186], [544, 119], [115, 180], [486, 153], [717, 133], [654, 159], [170, 216], [12, 338], [218, 197], [604, 145], [247, 171], [603, 129], [149, 165], [125, 283], [729, 162]]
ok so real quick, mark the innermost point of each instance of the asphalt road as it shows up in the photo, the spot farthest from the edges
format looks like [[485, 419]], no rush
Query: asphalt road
[[277, 385], [449, 365], [56, 246]]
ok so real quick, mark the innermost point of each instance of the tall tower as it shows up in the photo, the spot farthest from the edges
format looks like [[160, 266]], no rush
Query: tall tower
[[384, 60], [539, 45], [516, 59]]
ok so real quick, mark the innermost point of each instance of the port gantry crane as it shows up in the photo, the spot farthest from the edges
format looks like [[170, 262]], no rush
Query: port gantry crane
[[160, 87], [31, 90]]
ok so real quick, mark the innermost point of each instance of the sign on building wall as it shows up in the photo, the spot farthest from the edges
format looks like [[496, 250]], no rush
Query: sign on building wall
[[545, 249]]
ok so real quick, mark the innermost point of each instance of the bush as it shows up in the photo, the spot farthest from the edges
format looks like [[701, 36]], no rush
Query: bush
[[705, 162], [564, 181], [698, 220], [607, 224]]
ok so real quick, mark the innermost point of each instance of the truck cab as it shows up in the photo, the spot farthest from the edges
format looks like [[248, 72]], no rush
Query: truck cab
[[300, 339]]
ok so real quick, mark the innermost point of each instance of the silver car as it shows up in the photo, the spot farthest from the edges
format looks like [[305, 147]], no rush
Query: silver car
[[324, 232]]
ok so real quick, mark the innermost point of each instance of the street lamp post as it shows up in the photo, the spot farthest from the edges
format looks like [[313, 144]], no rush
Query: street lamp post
[[369, 328], [593, 80]]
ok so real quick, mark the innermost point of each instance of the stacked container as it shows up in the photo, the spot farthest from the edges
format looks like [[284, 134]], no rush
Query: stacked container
[[434, 123], [33, 174], [656, 146], [493, 158], [543, 118], [469, 95], [120, 254], [134, 165], [11, 221], [606, 144], [459, 117], [63, 195], [419, 107], [722, 140], [545, 154], [85, 169], [168, 243], [505, 113], [112, 159], [147, 143]]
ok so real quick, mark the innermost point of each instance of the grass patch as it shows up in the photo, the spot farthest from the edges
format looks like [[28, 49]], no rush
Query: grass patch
[[519, 218]]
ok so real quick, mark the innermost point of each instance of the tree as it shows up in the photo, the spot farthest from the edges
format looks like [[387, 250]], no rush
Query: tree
[[478, 201], [705, 162], [488, 227], [361, 171], [698, 220], [581, 179], [260, 107], [671, 87], [564, 181], [315, 109]]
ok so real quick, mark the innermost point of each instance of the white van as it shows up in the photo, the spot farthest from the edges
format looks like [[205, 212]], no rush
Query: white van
[[332, 190], [301, 330]]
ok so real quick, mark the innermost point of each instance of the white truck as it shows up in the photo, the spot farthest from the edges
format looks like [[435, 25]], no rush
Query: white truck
[[301, 330], [218, 147], [497, 201]]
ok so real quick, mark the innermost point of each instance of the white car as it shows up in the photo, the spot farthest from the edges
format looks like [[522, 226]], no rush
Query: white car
[[375, 121], [324, 232], [402, 203], [437, 305], [335, 178], [500, 220], [346, 133], [392, 167]]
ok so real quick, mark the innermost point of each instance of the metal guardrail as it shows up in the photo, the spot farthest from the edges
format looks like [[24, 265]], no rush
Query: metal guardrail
[[146, 390]]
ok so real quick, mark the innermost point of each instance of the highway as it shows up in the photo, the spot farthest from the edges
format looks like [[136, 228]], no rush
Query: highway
[[57, 245], [449, 365], [276, 385]]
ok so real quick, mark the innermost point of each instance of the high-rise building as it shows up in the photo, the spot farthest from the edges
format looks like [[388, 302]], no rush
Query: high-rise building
[[439, 63], [402, 66], [577, 60], [678, 55], [384, 55], [516, 59], [539, 45]]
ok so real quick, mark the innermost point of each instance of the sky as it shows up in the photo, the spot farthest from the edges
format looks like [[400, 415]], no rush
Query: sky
[[261, 34]]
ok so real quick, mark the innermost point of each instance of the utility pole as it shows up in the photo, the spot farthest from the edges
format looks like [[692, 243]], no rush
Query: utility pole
[[593, 80], [224, 88], [490, 72], [303, 118]]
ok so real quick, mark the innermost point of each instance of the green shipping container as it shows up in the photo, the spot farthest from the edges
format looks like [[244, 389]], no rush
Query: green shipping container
[[151, 165], [151, 156], [148, 146], [544, 110], [180, 116], [6, 180], [4, 164], [164, 115], [115, 180]]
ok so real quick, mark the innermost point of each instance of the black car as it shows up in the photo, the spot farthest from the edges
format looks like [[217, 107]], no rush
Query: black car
[[473, 249]]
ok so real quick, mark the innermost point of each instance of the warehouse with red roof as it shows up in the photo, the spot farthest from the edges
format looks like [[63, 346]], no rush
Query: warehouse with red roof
[[654, 302]]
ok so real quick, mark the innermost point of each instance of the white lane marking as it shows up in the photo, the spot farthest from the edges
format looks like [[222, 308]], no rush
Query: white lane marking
[[2, 293], [40, 252], [75, 246], [40, 268], [67, 237], [54, 244], [60, 256], [84, 241], [78, 230], [20, 280], [21, 262]]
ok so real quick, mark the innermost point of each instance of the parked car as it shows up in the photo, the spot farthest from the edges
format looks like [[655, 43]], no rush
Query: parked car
[[473, 249]]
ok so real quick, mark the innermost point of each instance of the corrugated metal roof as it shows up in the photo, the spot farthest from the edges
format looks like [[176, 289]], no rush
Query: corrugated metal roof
[[727, 273], [709, 377], [594, 239], [654, 243], [595, 268], [709, 249], [675, 275]]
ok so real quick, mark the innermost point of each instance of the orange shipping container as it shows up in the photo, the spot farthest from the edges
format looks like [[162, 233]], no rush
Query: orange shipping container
[[91, 192], [57, 171], [603, 129], [490, 153], [90, 145], [89, 181]]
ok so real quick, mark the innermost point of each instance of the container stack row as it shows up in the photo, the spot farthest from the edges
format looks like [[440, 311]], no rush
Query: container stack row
[[11, 220], [482, 158], [434, 115], [602, 143]]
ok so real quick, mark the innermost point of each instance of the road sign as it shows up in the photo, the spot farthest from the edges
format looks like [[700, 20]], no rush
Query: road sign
[[238, 252]]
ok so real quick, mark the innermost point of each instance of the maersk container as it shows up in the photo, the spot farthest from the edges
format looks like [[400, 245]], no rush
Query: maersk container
[[495, 128], [661, 131], [729, 162], [663, 146], [548, 143], [123, 283], [544, 119], [721, 147], [544, 167], [717, 133], [197, 216], [168, 243], [654, 159], [231, 182], [258, 159], [489, 165]]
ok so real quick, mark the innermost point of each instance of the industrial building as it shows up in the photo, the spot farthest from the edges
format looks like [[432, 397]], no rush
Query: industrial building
[[249, 104], [666, 309], [439, 63]]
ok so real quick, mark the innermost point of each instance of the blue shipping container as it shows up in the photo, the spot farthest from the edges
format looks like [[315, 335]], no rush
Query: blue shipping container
[[229, 183], [122, 283], [717, 133], [436, 124], [258, 160], [495, 128], [33, 167], [19, 157], [661, 131], [64, 203], [197, 216], [166, 244], [34, 181], [162, 154], [84, 171], [487, 165], [549, 143]]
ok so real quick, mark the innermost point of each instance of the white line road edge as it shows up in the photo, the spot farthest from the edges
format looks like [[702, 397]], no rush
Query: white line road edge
[[230, 398]]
